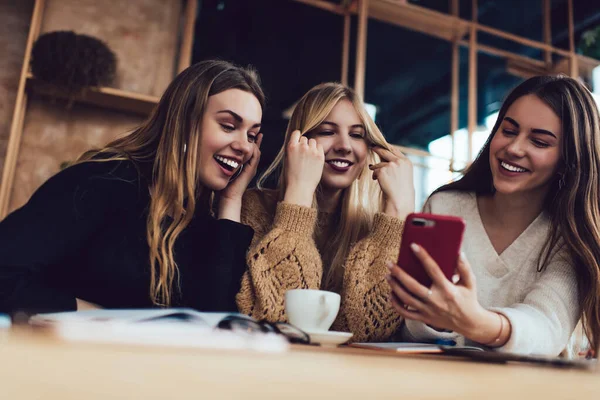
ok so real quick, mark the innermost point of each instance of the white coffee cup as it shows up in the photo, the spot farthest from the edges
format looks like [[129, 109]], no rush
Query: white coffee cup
[[311, 310]]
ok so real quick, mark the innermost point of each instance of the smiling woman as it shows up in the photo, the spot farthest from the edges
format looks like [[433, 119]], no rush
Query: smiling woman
[[531, 201], [335, 218], [132, 225]]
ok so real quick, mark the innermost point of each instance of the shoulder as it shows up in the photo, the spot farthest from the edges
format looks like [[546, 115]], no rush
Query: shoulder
[[98, 182], [450, 200]]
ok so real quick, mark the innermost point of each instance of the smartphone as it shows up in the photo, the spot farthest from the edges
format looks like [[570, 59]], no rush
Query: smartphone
[[440, 235]]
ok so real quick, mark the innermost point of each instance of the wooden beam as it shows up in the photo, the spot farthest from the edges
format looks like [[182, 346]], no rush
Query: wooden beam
[[323, 5], [346, 49], [361, 48], [16, 127], [187, 39], [419, 19], [472, 81], [574, 65], [547, 12], [454, 95], [506, 54]]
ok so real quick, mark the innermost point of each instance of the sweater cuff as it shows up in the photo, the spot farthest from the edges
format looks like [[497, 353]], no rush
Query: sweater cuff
[[420, 332], [295, 218], [387, 230]]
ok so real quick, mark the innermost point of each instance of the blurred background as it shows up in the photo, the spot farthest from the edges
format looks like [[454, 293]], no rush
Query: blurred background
[[432, 72]]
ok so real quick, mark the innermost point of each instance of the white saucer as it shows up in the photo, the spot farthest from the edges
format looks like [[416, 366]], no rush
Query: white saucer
[[329, 338]]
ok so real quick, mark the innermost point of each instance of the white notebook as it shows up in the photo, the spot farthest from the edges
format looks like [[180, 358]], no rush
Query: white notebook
[[174, 327]]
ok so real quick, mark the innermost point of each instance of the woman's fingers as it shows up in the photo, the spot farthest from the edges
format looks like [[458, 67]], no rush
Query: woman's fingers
[[375, 167], [405, 297], [467, 278], [409, 283], [430, 266], [387, 155]]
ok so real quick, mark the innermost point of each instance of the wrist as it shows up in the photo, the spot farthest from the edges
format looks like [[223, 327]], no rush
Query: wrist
[[485, 328], [230, 209], [298, 196]]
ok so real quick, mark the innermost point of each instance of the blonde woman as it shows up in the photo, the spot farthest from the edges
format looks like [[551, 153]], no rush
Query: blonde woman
[[130, 225], [335, 218]]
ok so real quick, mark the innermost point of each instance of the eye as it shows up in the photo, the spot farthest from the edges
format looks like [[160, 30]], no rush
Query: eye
[[326, 133], [540, 143], [508, 132], [227, 128], [357, 135], [252, 137]]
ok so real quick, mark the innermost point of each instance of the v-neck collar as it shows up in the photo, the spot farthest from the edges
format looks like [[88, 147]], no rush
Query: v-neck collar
[[520, 249]]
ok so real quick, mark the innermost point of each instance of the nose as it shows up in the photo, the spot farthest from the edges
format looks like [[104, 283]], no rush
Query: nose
[[241, 146], [516, 147], [342, 143]]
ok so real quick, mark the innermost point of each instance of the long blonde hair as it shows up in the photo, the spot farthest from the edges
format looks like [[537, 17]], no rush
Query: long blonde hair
[[170, 140], [361, 200]]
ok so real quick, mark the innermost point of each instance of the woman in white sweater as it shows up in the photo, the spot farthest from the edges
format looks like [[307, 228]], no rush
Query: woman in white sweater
[[531, 202]]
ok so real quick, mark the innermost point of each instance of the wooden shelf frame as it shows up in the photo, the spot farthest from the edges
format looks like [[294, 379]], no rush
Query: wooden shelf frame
[[105, 97], [452, 28]]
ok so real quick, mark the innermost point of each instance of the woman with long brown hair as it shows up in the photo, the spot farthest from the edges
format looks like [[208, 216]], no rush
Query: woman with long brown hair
[[152, 219], [531, 201], [335, 217]]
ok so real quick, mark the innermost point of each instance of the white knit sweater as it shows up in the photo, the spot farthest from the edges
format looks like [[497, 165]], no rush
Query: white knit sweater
[[542, 307]]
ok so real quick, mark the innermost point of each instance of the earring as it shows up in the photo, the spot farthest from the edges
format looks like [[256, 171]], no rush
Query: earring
[[184, 148], [561, 181]]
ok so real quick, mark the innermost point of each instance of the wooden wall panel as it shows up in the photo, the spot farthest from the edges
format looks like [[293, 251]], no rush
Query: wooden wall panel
[[53, 134], [15, 17], [142, 33]]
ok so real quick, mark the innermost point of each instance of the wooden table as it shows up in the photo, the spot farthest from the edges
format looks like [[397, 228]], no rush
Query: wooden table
[[33, 367]]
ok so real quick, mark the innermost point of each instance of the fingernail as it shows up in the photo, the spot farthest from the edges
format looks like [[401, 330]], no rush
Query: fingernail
[[388, 277], [389, 264], [415, 247], [462, 255]]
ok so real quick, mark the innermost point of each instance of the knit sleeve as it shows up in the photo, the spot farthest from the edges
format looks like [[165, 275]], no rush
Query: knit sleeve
[[283, 256], [544, 321], [366, 309]]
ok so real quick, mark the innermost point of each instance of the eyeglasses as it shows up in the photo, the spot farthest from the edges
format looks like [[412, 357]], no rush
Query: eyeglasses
[[242, 324]]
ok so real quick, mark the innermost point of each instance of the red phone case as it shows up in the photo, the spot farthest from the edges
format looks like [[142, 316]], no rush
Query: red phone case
[[440, 235]]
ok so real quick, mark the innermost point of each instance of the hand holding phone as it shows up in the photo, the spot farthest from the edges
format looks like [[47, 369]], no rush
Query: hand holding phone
[[440, 235]]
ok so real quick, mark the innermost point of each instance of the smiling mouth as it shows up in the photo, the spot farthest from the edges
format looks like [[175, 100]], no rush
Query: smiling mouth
[[340, 164], [512, 168], [227, 163]]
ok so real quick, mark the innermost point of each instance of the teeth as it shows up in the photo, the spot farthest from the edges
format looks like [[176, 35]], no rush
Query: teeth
[[231, 163], [341, 164], [512, 168]]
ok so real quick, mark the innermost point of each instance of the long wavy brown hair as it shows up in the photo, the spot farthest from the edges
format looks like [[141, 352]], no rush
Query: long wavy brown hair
[[361, 200], [170, 140], [573, 201]]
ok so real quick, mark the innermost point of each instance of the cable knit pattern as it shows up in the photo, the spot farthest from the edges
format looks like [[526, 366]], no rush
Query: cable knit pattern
[[284, 255]]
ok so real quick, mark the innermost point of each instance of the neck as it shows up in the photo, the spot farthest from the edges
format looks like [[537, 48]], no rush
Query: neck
[[513, 209], [328, 200]]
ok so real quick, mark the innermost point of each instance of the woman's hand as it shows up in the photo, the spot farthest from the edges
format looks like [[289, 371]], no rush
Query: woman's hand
[[395, 176], [230, 198], [446, 305], [304, 164], [83, 305]]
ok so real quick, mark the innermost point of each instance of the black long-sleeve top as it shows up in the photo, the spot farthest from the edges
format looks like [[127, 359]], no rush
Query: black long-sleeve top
[[83, 235]]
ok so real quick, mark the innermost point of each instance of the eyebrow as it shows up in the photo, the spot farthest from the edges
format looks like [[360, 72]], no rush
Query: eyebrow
[[535, 130], [237, 117], [352, 126]]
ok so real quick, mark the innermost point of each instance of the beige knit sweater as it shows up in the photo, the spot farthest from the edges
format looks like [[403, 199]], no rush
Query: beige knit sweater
[[284, 255]]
